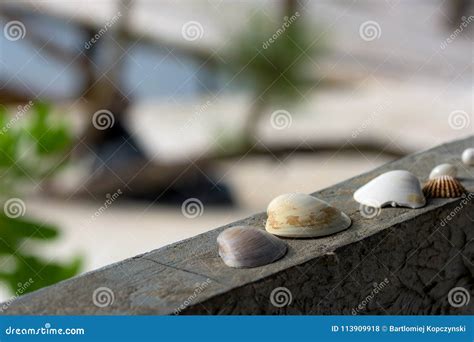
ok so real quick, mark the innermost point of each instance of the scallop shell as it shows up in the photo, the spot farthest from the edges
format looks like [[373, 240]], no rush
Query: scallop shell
[[443, 170], [443, 187], [244, 247], [468, 156], [396, 188], [299, 215]]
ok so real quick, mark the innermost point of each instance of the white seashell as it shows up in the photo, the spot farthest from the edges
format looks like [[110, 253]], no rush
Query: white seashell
[[397, 188], [300, 215], [244, 247], [468, 156], [443, 170]]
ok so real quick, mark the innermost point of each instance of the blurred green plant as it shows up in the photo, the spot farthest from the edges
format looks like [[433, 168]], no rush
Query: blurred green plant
[[32, 149], [276, 61]]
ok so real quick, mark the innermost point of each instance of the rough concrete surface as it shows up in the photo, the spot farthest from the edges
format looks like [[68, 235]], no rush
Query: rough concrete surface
[[403, 261]]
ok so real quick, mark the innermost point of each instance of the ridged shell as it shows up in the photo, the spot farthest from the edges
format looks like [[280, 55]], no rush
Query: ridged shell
[[443, 170], [245, 247], [443, 187], [395, 188], [300, 216], [468, 156]]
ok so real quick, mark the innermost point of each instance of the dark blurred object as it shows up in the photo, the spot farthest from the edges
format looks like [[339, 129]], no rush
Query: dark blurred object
[[457, 9]]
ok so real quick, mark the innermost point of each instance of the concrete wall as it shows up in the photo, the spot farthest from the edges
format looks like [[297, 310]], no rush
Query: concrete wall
[[403, 261]]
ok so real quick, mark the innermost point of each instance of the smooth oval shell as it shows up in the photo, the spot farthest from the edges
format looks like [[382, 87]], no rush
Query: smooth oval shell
[[300, 215], [443, 187], [468, 156], [443, 170], [244, 247], [396, 188]]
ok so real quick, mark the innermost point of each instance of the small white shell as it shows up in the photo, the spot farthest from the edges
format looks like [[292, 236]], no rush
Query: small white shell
[[244, 247], [443, 170], [468, 156], [300, 215], [397, 188]]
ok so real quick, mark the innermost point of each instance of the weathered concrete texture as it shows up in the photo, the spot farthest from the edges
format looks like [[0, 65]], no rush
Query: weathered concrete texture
[[413, 265], [404, 261]]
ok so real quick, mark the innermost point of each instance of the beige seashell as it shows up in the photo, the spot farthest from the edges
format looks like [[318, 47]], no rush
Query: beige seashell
[[443, 187], [246, 246], [299, 215]]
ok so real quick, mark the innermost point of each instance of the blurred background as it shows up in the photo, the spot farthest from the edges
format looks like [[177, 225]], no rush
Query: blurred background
[[126, 125]]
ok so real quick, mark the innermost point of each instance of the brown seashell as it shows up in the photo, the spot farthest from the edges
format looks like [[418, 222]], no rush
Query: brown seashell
[[443, 187]]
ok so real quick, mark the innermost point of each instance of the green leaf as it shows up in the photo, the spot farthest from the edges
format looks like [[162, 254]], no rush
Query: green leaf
[[39, 273], [21, 228]]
